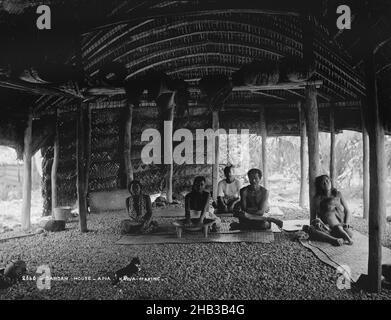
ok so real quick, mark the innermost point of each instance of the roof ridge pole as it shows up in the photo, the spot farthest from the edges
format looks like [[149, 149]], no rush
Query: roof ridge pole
[[27, 178], [311, 108], [377, 172]]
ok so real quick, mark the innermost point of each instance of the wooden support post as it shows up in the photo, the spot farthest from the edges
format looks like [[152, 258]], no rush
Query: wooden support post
[[166, 105], [365, 143], [263, 129], [311, 108], [332, 147], [313, 143], [81, 160], [170, 173], [128, 144], [88, 128], [377, 172], [56, 154], [215, 168], [27, 180], [303, 158]]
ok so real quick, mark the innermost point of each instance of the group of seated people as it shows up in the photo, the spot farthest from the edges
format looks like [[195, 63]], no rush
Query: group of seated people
[[249, 204]]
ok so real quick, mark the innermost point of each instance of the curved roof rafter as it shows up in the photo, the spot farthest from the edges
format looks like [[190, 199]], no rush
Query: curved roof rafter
[[198, 56], [205, 46], [197, 27]]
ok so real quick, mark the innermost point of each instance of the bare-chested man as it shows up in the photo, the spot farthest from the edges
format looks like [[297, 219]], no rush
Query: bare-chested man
[[254, 204]]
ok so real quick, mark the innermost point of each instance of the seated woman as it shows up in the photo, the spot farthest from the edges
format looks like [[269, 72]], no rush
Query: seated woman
[[254, 204], [227, 192], [197, 204], [332, 215], [139, 208]]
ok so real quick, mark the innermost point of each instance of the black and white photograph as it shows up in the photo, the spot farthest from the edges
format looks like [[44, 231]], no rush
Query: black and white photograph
[[205, 151]]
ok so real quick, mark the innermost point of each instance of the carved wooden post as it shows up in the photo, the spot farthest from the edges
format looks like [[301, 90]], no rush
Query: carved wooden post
[[81, 160], [303, 157], [365, 144], [215, 167], [27, 155], [332, 147], [128, 144], [313, 143], [377, 171], [263, 130], [56, 153]]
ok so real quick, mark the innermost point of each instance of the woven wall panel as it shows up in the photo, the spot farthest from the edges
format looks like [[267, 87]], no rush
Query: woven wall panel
[[106, 150]]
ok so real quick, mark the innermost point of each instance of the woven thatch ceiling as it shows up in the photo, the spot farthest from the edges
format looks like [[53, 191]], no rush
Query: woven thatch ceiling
[[191, 39]]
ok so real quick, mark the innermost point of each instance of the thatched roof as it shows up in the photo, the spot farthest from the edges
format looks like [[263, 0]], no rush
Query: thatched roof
[[189, 40], [105, 51]]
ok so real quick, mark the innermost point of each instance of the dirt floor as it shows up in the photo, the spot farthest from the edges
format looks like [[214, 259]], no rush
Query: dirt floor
[[280, 270]]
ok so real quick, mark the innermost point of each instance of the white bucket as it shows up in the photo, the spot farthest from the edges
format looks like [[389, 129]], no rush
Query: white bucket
[[62, 213]]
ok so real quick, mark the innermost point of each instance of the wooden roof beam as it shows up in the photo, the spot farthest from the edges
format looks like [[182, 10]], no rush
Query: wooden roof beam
[[112, 91], [280, 86], [301, 96], [36, 88], [268, 95]]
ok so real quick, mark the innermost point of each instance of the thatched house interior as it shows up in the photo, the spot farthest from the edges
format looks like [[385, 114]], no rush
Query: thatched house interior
[[85, 90]]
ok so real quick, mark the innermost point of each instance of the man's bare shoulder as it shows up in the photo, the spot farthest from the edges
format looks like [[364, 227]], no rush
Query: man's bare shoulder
[[244, 189], [264, 190]]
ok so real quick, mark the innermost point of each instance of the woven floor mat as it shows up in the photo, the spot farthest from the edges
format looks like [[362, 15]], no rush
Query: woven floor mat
[[352, 258]]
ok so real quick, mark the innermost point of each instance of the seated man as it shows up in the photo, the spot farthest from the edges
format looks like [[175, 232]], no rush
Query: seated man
[[227, 192], [197, 203], [254, 203]]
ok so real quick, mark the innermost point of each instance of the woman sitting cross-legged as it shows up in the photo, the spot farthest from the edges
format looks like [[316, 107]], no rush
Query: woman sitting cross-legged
[[139, 208], [254, 204], [332, 215], [197, 204]]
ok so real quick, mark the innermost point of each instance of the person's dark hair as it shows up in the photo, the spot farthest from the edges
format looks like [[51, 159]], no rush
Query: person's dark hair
[[255, 171], [198, 180], [227, 169], [318, 185], [134, 182]]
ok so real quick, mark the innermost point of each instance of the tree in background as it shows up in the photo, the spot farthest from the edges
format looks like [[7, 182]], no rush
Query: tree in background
[[284, 160]]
